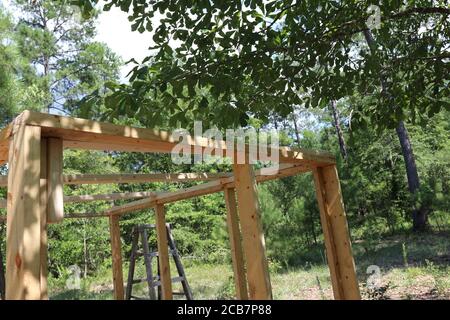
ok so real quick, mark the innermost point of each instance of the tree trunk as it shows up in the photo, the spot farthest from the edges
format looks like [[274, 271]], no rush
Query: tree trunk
[[297, 132], [419, 215], [335, 113]]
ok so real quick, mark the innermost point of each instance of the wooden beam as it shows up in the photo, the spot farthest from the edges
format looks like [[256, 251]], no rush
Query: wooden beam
[[55, 185], [336, 234], [195, 191], [109, 196], [23, 245], [85, 215], [88, 134], [182, 194], [163, 253], [140, 178], [237, 255], [274, 172], [252, 233], [116, 248]]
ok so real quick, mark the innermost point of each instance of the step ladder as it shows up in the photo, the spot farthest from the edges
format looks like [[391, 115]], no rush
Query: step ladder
[[153, 281]]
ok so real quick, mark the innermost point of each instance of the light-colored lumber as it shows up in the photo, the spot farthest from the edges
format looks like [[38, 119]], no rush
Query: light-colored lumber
[[94, 135], [109, 197], [195, 191], [140, 178], [116, 249], [252, 233], [283, 170], [55, 211], [23, 245], [163, 252], [336, 234], [237, 255], [85, 215], [272, 173], [44, 213]]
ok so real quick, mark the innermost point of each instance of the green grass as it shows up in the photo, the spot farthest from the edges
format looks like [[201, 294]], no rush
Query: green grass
[[411, 266]]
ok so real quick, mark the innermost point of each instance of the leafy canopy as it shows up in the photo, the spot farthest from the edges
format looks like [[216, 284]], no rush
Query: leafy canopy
[[259, 58]]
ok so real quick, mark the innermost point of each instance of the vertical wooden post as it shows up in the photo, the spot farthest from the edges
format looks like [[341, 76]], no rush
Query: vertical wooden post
[[237, 255], [23, 246], [163, 253], [44, 207], [55, 180], [116, 250], [336, 234], [252, 234]]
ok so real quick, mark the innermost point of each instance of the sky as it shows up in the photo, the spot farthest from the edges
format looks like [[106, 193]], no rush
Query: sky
[[114, 29]]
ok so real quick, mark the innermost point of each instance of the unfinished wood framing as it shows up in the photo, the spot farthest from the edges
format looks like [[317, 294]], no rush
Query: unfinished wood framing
[[54, 182], [336, 235], [237, 254], [24, 226], [163, 252], [33, 148], [116, 249], [259, 286]]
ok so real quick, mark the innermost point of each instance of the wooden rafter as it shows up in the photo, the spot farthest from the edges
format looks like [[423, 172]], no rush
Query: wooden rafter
[[76, 179], [33, 145], [94, 135], [272, 173]]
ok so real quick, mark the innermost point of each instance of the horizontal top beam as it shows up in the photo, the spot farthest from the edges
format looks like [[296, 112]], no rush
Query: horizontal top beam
[[94, 135]]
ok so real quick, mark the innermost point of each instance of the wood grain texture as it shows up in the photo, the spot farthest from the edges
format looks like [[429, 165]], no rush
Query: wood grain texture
[[237, 254], [163, 252], [116, 249], [23, 246], [336, 234], [259, 286]]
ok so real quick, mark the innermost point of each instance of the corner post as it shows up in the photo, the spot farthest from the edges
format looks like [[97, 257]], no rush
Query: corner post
[[252, 233], [116, 248], [163, 252], [237, 255], [24, 215], [336, 234]]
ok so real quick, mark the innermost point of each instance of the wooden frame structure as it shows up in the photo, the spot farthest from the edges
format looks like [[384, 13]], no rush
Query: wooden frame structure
[[33, 145]]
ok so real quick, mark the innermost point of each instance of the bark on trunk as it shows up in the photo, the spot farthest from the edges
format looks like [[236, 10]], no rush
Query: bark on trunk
[[420, 214], [342, 146], [297, 132]]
